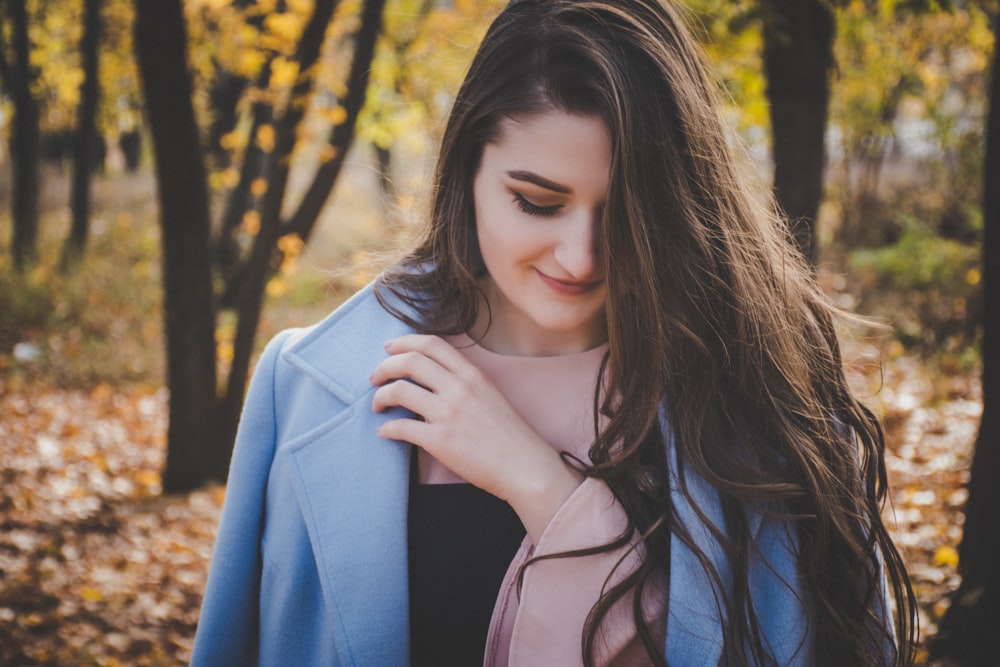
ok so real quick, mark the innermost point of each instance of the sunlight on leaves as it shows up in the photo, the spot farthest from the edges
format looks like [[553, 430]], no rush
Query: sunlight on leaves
[[266, 138], [277, 287], [284, 73], [251, 223], [258, 187]]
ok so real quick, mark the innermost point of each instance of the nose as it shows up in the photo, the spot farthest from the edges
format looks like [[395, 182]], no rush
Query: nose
[[577, 250]]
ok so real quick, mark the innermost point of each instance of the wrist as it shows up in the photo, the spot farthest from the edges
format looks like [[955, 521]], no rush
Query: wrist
[[542, 492]]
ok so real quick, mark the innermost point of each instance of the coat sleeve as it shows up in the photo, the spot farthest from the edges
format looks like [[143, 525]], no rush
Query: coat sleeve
[[557, 594], [228, 625]]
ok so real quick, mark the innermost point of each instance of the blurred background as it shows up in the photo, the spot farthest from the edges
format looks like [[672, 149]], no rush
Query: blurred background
[[181, 180]]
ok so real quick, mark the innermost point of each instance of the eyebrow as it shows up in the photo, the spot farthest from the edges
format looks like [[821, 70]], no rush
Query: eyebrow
[[540, 181]]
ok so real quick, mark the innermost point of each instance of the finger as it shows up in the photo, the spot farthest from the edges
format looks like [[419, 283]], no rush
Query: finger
[[433, 347], [413, 365], [405, 395], [412, 431]]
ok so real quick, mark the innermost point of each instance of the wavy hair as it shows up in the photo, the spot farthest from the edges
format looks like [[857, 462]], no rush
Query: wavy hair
[[712, 316]]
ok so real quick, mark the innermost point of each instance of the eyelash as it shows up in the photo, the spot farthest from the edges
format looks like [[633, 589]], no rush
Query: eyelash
[[534, 209]]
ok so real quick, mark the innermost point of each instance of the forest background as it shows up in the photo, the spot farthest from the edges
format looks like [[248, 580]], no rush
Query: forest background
[[184, 179]]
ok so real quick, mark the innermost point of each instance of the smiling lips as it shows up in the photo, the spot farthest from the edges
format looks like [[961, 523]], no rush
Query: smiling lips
[[568, 287]]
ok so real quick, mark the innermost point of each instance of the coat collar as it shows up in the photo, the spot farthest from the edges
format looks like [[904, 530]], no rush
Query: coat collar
[[337, 351]]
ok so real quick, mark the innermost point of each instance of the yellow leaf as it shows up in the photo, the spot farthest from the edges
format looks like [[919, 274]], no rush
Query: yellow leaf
[[251, 223], [224, 350], [258, 187], [284, 73], [91, 594], [301, 7], [946, 556], [230, 177], [215, 180], [288, 265], [265, 138], [277, 287], [147, 478], [249, 61], [973, 276], [335, 115], [230, 140], [290, 244], [284, 25], [327, 153]]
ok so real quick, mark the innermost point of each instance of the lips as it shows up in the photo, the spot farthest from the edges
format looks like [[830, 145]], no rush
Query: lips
[[568, 287]]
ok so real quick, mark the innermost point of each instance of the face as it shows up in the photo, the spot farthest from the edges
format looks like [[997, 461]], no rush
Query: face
[[539, 195]]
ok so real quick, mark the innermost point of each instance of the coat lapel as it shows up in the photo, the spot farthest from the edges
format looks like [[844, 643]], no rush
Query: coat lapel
[[355, 508], [353, 487]]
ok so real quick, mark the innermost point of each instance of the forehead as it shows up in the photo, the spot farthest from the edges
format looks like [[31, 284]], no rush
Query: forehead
[[564, 147]]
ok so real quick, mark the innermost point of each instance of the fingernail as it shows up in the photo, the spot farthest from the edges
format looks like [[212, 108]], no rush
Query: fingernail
[[388, 344]]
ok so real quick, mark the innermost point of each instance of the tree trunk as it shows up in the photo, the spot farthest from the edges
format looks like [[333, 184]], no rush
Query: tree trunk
[[241, 198], [798, 57], [161, 49], [24, 141], [84, 150], [224, 97], [968, 632]]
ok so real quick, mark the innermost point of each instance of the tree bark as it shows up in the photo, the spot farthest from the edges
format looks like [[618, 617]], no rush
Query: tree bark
[[84, 150], [224, 97], [193, 435], [798, 57], [24, 141], [241, 199], [968, 632]]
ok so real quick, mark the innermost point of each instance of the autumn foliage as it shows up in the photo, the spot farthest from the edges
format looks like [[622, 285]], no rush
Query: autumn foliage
[[314, 123]]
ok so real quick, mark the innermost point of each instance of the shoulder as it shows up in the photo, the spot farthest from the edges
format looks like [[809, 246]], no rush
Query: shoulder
[[339, 352]]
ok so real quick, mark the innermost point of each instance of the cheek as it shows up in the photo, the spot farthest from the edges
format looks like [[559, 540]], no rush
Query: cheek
[[497, 236], [506, 248], [493, 250]]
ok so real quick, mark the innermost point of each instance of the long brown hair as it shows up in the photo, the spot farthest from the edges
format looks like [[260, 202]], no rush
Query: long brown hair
[[712, 318]]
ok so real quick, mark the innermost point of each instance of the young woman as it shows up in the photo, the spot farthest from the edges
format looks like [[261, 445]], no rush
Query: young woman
[[597, 416]]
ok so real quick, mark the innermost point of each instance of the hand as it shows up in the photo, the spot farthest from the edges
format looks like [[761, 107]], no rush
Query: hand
[[470, 427]]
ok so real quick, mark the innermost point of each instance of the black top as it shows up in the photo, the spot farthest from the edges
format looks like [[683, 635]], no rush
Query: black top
[[461, 541]]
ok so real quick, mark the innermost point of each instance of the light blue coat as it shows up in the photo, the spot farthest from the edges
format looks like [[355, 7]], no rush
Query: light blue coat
[[310, 562]]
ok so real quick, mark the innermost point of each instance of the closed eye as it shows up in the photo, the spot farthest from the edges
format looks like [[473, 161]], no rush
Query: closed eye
[[534, 209]]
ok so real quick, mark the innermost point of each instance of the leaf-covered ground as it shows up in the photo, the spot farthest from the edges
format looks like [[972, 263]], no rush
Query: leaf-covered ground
[[98, 568]]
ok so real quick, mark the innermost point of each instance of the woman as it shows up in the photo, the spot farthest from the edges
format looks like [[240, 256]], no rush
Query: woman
[[631, 433]]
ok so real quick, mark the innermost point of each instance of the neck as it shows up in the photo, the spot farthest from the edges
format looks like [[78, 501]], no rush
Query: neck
[[514, 334]]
